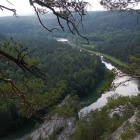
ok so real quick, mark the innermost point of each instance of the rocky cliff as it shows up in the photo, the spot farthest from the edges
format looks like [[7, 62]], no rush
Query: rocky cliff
[[59, 126]]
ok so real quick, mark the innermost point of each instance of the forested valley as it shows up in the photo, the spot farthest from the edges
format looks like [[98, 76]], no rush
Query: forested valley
[[68, 68], [113, 33]]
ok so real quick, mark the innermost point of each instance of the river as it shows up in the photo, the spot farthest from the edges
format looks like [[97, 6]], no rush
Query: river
[[130, 88], [61, 39]]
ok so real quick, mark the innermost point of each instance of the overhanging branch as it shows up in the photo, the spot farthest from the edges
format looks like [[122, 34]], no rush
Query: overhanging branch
[[71, 11], [22, 64], [9, 9]]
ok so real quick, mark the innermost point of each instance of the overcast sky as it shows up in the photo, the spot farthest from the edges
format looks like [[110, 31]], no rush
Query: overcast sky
[[23, 7]]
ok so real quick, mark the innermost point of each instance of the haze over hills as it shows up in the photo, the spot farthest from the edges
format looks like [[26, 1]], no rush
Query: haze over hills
[[94, 22], [103, 29]]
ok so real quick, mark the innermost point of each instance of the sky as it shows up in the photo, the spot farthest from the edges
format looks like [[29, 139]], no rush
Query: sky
[[23, 7]]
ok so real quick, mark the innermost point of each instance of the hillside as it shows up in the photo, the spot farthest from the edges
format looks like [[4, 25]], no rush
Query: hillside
[[68, 70], [111, 33], [29, 25]]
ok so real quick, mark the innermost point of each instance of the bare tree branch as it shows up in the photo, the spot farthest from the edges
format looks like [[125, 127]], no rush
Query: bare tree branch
[[121, 5], [9, 2], [28, 106], [71, 11], [9, 9], [50, 30], [22, 64]]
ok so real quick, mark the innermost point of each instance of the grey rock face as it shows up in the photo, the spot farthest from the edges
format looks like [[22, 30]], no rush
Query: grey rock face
[[58, 127], [64, 126], [116, 135]]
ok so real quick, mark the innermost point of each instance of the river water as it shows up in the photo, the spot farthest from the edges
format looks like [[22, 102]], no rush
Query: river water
[[61, 39], [130, 88]]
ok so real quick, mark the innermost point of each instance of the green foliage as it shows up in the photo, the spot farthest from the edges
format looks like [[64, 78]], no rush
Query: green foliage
[[68, 108], [61, 62], [134, 67], [99, 124], [128, 134], [29, 25], [131, 129], [91, 127], [114, 34], [56, 132], [8, 117], [137, 123], [68, 71], [107, 86], [28, 138], [40, 138]]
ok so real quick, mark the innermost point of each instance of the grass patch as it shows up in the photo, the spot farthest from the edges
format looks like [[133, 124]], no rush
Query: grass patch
[[111, 58], [89, 46], [114, 60]]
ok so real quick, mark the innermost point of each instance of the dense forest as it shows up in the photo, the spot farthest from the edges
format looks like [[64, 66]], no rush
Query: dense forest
[[111, 33], [67, 68]]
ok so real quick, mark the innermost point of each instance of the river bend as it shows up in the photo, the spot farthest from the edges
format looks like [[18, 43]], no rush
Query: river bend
[[130, 88]]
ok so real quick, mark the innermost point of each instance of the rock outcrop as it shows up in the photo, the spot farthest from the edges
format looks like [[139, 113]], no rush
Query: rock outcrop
[[117, 134], [57, 127]]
